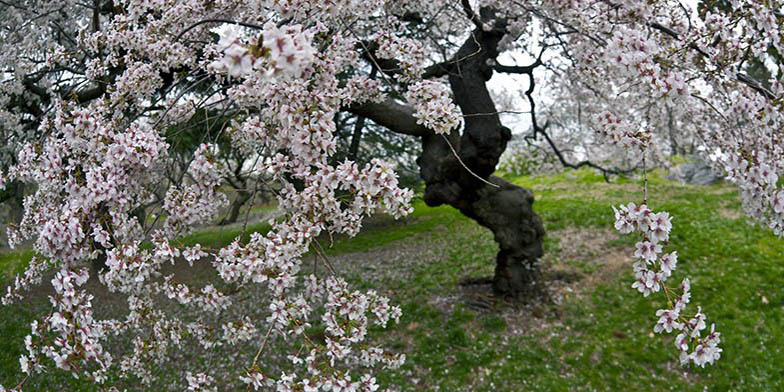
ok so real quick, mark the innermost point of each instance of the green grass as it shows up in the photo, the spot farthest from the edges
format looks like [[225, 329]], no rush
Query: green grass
[[422, 220], [597, 341], [219, 237], [14, 262], [602, 342]]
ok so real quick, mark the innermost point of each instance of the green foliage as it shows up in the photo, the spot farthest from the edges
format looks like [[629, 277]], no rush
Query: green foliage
[[494, 323], [677, 159], [601, 341], [222, 236]]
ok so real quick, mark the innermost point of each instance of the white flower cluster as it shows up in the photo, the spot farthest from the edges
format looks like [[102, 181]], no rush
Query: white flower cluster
[[200, 382], [360, 89], [199, 201], [32, 276], [70, 336], [620, 132], [757, 179], [651, 270], [635, 52], [346, 322], [433, 106], [284, 51], [98, 161], [408, 53], [88, 168], [325, 9]]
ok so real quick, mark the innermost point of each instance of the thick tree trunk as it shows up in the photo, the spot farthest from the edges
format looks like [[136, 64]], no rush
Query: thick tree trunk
[[507, 212], [504, 208]]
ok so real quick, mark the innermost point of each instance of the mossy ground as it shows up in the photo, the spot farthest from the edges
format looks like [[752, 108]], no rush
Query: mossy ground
[[597, 333]]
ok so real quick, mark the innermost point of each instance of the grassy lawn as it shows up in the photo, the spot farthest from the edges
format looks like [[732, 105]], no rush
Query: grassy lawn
[[597, 332]]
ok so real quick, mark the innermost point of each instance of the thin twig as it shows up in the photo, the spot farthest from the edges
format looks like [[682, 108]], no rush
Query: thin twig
[[320, 251], [645, 181], [498, 112], [263, 344]]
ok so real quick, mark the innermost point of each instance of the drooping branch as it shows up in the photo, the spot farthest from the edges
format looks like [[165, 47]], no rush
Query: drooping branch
[[605, 171]]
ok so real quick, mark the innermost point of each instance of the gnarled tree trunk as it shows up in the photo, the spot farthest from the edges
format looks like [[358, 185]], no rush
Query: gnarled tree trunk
[[504, 208]]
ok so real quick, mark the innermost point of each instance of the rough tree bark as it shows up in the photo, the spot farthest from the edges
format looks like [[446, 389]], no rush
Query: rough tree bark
[[504, 208]]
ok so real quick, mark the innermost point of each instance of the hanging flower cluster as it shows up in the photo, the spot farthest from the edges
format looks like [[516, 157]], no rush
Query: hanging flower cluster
[[652, 268]]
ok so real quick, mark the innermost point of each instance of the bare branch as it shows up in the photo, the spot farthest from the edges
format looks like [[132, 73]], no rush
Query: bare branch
[[521, 69], [517, 69], [605, 171], [537, 130], [472, 15]]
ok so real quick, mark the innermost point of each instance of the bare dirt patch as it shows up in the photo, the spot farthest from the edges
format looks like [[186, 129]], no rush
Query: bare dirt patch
[[585, 253], [729, 213]]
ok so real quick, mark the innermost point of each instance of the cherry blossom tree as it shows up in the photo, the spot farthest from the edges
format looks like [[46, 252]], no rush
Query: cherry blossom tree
[[91, 89]]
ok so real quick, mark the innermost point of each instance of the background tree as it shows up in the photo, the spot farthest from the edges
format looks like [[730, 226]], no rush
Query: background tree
[[215, 126]]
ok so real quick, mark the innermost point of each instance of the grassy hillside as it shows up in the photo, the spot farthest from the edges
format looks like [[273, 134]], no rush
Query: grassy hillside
[[593, 332]]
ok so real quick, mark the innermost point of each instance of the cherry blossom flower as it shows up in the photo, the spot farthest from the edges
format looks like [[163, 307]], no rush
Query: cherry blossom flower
[[651, 270], [668, 320], [433, 106]]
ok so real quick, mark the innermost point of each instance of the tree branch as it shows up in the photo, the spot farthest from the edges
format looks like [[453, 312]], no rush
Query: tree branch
[[517, 69], [543, 131], [605, 171], [521, 69], [472, 15], [396, 117]]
